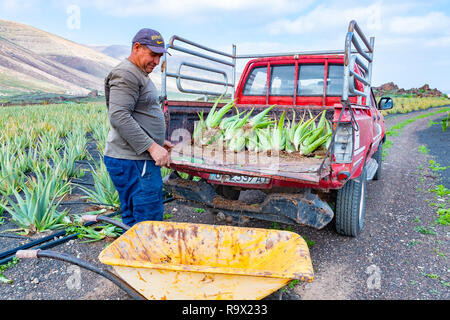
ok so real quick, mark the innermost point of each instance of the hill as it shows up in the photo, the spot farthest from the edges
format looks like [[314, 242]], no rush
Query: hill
[[32, 60], [391, 88], [119, 52]]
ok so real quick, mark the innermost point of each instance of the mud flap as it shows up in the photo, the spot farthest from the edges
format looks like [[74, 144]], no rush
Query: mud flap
[[298, 208]]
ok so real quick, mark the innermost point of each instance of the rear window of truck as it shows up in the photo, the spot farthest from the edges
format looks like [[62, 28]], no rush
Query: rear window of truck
[[335, 79], [310, 79], [282, 80], [256, 84]]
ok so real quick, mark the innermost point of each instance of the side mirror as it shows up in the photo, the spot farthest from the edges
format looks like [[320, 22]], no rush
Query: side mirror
[[385, 103]]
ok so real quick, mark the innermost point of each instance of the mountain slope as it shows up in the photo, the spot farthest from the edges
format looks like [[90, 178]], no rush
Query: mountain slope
[[35, 60], [116, 51]]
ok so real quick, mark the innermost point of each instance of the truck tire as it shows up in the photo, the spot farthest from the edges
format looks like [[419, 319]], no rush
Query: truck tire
[[227, 192], [378, 156], [350, 206]]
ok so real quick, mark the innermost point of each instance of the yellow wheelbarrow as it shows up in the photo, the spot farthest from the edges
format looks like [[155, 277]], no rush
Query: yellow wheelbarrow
[[187, 261]]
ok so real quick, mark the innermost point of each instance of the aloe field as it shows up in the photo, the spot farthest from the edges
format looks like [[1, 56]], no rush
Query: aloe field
[[408, 104], [41, 152], [42, 149]]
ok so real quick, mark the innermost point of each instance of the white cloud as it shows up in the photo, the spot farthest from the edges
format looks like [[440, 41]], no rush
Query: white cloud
[[431, 22], [176, 8], [389, 23], [329, 18], [438, 42], [15, 6]]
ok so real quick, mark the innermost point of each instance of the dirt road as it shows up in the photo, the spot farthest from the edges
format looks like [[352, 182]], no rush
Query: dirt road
[[401, 253]]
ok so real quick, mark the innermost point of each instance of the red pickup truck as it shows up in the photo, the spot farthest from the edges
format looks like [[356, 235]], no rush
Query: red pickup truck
[[300, 190]]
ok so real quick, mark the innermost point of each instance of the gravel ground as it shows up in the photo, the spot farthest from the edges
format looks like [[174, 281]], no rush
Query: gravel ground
[[391, 259]]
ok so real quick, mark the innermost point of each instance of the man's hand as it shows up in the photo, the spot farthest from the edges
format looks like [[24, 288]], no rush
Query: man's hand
[[160, 155], [168, 145]]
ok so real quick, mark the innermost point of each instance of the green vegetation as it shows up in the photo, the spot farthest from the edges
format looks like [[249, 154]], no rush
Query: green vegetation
[[423, 149], [405, 104], [439, 253], [260, 133], [167, 216], [423, 230], [40, 152], [413, 243], [430, 275], [446, 122], [443, 217], [2, 209], [396, 129], [434, 166], [440, 190], [93, 233], [104, 190], [15, 97], [36, 210], [5, 266]]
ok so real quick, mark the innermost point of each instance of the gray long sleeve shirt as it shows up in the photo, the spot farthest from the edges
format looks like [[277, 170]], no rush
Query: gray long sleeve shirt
[[136, 118]]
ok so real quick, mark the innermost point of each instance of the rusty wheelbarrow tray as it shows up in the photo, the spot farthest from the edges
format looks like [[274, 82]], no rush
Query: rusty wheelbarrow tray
[[188, 261]]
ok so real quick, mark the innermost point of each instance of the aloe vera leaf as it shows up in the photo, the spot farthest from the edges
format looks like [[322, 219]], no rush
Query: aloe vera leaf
[[306, 150]]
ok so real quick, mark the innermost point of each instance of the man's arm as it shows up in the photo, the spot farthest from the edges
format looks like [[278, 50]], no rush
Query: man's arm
[[123, 96]]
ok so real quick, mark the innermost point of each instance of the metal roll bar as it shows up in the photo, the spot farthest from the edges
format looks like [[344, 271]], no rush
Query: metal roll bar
[[350, 60]]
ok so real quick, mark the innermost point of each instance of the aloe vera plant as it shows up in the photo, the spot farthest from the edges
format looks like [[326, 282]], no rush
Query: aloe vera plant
[[11, 176], [67, 163], [93, 233], [36, 210], [77, 144], [214, 117], [104, 190], [278, 135], [60, 187], [3, 204]]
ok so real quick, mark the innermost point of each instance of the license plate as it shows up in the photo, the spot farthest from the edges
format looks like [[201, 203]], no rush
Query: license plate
[[238, 179]]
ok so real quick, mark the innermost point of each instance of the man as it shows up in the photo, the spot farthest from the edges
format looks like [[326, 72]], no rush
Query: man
[[136, 147]]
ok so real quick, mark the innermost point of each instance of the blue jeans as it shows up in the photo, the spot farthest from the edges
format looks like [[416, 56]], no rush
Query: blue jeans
[[139, 184]]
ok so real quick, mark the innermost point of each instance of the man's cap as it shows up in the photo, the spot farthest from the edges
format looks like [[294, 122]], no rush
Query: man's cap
[[150, 38]]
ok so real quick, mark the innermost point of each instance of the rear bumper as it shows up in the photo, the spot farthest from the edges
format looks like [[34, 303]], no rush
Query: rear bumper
[[297, 208]]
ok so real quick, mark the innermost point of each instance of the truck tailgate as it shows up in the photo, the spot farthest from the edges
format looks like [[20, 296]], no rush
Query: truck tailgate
[[287, 167]]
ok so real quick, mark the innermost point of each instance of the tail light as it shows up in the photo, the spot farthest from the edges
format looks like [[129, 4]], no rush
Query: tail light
[[343, 143]]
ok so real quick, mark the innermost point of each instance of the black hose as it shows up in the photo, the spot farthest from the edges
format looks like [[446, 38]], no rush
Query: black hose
[[83, 264], [113, 222], [84, 183], [69, 203], [14, 236], [45, 239], [168, 200], [7, 256]]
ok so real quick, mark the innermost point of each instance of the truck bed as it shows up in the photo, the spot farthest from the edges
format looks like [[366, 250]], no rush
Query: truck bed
[[284, 166], [287, 167]]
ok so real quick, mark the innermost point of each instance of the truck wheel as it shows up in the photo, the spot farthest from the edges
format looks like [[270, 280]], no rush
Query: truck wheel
[[350, 206], [227, 192], [378, 156]]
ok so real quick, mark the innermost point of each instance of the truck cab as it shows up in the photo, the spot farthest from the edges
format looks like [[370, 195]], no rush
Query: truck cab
[[338, 82]]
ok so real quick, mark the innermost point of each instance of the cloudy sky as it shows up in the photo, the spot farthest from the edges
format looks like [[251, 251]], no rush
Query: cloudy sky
[[412, 38]]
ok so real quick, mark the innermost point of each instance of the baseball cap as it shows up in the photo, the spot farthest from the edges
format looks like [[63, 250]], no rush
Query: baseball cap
[[150, 38]]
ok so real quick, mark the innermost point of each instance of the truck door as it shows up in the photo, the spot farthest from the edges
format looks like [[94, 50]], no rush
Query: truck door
[[377, 119]]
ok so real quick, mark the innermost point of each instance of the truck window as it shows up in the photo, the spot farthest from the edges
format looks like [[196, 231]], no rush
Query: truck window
[[282, 80], [335, 79], [256, 84], [310, 79]]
